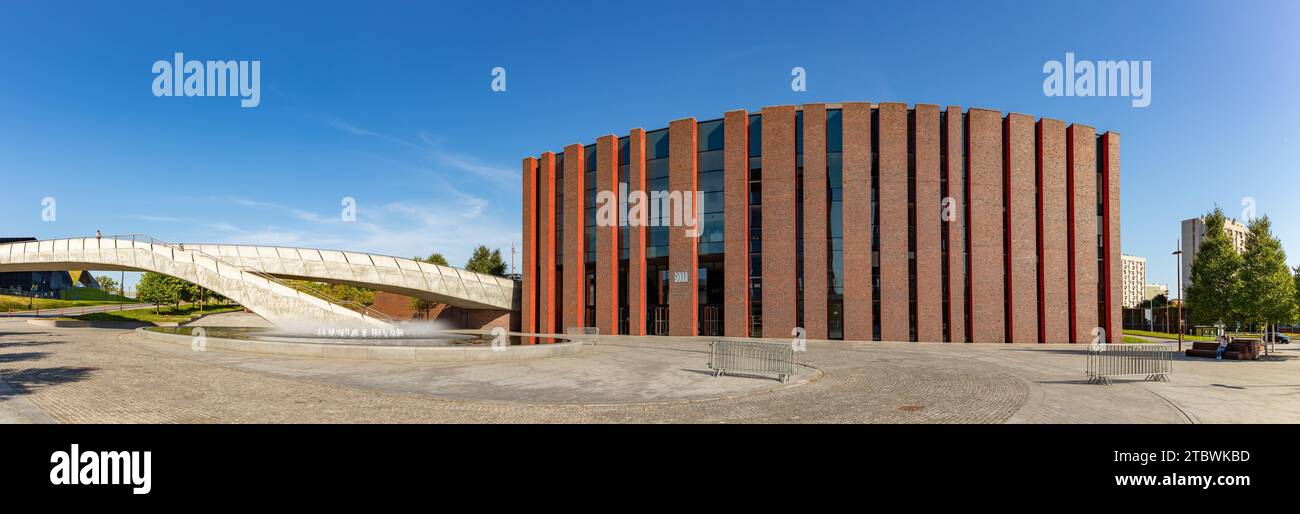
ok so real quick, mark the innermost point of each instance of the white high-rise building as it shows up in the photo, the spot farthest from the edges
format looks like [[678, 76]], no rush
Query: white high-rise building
[[1133, 280], [1193, 233]]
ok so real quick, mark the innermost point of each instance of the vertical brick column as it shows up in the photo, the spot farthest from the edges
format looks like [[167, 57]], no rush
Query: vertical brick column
[[956, 233], [546, 287], [779, 256], [607, 235], [528, 296], [683, 250], [736, 229], [929, 235], [1022, 220], [1082, 161], [857, 227], [1110, 225], [894, 286], [816, 260], [575, 275], [1053, 233], [636, 179], [984, 155]]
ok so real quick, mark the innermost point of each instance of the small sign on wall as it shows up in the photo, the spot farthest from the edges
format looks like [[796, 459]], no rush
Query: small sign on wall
[[680, 277]]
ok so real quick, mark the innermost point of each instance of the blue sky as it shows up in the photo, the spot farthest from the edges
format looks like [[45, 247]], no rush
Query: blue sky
[[390, 104]]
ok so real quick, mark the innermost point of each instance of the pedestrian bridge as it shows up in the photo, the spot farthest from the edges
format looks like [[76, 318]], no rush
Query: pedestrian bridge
[[253, 275]]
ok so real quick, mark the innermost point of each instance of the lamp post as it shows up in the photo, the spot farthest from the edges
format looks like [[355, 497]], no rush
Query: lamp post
[[1178, 261]]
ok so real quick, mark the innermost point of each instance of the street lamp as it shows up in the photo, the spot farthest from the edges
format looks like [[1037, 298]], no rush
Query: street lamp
[[1178, 261]]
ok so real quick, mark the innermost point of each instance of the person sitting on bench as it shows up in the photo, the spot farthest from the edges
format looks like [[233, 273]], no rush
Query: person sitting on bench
[[1223, 346]]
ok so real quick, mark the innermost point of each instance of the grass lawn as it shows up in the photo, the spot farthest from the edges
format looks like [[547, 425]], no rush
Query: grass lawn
[[1135, 340], [19, 303], [1166, 335], [184, 313], [87, 293]]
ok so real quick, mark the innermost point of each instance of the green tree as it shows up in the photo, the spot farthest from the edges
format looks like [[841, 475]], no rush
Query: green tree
[[1156, 302], [1296, 315], [159, 289], [1215, 282], [433, 258], [107, 283], [488, 262], [1267, 293], [420, 304]]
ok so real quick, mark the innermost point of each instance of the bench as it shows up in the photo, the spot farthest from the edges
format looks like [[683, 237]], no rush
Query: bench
[[1238, 349]]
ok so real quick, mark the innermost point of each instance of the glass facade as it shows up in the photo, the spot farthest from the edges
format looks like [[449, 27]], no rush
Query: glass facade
[[656, 251], [710, 139], [835, 221], [755, 226]]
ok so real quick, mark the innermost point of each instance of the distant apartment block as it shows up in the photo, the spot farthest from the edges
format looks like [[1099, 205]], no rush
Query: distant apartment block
[[1193, 232], [1133, 280]]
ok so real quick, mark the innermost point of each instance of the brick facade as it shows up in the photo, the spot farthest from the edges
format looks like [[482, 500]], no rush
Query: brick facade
[[962, 226]]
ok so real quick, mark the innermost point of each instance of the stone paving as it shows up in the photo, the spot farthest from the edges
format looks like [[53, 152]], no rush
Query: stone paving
[[112, 376]]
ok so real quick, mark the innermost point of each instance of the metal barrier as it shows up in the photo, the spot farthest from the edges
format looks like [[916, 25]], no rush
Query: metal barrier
[[583, 334], [1155, 361], [752, 357]]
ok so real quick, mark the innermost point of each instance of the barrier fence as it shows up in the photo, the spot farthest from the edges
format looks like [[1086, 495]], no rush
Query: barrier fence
[[752, 357], [1154, 361], [583, 334]]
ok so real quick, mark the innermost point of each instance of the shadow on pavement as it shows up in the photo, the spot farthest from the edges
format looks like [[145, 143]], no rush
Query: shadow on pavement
[[21, 356], [1082, 381], [24, 380], [24, 344], [1080, 351], [3, 334]]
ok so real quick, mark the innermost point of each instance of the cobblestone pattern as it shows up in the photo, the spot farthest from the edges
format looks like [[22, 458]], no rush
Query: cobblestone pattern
[[93, 376]]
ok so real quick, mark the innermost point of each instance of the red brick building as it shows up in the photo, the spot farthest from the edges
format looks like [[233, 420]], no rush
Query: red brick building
[[854, 221]]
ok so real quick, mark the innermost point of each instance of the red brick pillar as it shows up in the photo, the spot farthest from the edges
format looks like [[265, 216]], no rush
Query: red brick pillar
[[1053, 230], [546, 286], [683, 252], [858, 295], [1082, 160], [607, 235], [528, 297], [1110, 222], [956, 162], [987, 271], [636, 235], [816, 258], [894, 286], [574, 289], [929, 233], [736, 231], [1022, 220], [779, 252]]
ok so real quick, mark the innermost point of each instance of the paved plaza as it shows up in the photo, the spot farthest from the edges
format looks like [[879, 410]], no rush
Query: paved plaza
[[113, 376]]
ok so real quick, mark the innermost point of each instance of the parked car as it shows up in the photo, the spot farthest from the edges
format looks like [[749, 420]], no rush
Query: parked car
[[1281, 338]]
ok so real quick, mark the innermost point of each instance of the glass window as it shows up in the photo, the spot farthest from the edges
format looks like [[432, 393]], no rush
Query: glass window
[[657, 144], [711, 135]]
